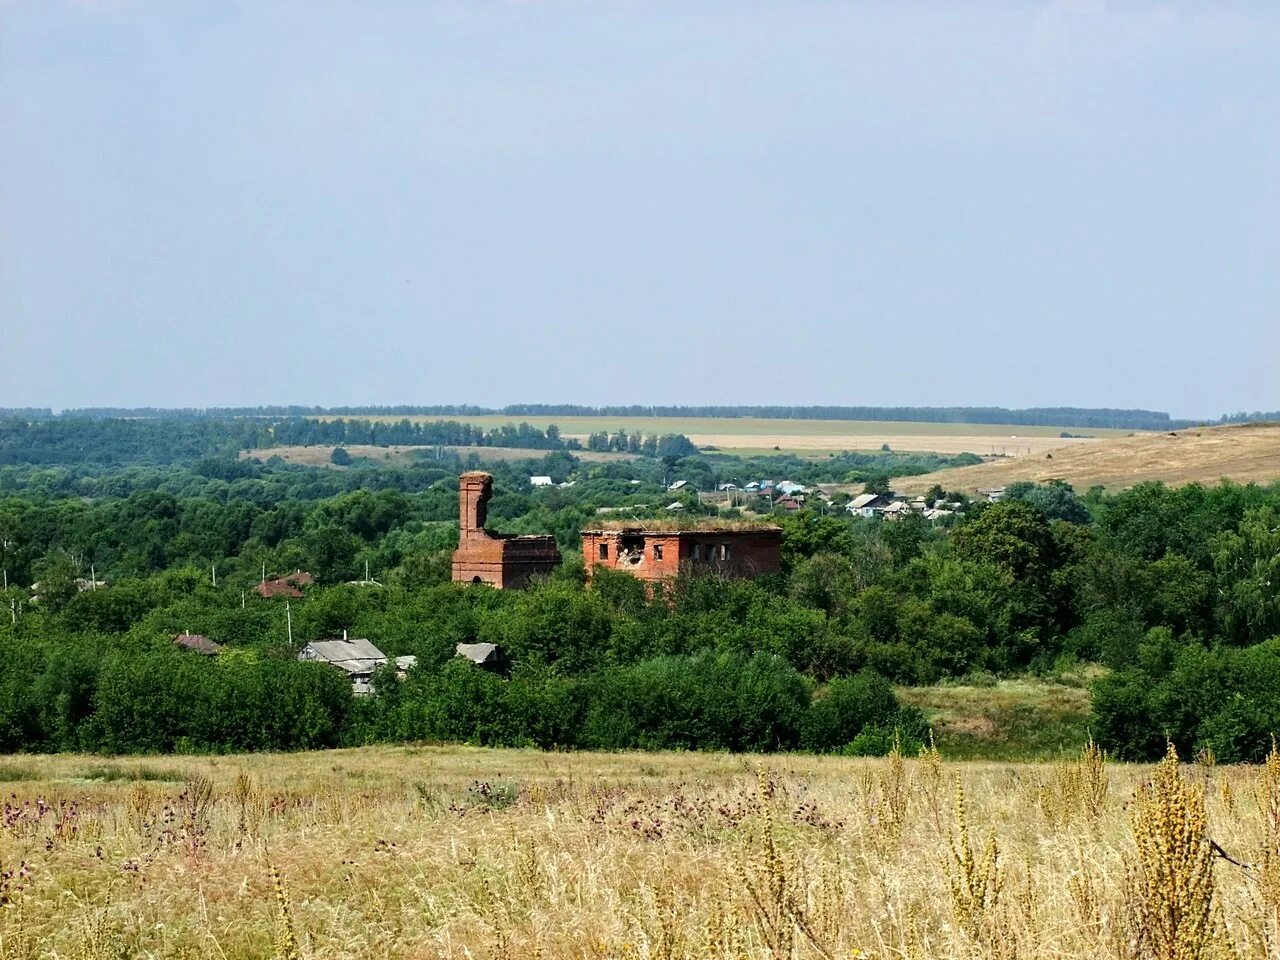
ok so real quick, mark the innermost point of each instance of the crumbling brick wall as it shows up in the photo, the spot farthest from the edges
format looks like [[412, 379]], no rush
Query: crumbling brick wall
[[664, 554], [505, 562]]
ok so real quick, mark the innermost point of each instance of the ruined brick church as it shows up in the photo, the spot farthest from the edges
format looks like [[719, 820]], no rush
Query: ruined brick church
[[501, 560], [653, 550]]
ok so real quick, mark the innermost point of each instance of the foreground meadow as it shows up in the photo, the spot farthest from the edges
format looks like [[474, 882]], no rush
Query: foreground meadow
[[457, 852]]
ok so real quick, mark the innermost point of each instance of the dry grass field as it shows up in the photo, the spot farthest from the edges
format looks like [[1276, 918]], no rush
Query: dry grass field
[[467, 853], [1248, 452], [811, 437]]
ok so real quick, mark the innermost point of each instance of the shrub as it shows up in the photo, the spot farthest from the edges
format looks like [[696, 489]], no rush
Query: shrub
[[718, 701], [845, 707]]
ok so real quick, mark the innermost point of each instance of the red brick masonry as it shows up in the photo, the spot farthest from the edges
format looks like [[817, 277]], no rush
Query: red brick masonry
[[506, 562], [662, 554]]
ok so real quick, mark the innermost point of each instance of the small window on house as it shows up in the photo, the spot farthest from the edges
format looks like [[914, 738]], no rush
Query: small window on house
[[724, 551], [604, 551], [657, 551]]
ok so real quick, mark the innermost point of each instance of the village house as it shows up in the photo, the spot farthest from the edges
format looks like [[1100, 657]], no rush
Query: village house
[[896, 510], [661, 550], [500, 560], [81, 583], [540, 481], [287, 586], [358, 658], [486, 656], [867, 504], [197, 643]]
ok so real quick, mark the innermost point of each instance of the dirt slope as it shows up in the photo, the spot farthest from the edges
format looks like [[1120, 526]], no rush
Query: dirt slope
[[1205, 455]]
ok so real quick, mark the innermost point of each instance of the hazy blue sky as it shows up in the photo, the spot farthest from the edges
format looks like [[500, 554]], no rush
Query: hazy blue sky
[[379, 202]]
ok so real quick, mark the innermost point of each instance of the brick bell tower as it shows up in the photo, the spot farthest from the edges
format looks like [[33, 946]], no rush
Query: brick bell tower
[[474, 490]]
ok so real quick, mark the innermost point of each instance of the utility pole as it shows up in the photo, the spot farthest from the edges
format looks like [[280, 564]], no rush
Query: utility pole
[[214, 568], [241, 599], [13, 611], [288, 616]]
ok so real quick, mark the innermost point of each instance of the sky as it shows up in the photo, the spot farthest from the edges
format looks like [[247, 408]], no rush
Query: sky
[[305, 201]]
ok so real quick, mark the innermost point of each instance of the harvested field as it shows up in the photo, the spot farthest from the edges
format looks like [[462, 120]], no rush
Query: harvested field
[[318, 456], [426, 852], [1244, 453], [812, 444]]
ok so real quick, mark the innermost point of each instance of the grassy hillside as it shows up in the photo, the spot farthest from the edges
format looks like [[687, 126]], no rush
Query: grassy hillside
[[1247, 452], [1008, 720]]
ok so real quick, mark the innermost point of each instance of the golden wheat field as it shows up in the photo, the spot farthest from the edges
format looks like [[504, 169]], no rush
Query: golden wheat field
[[465, 853]]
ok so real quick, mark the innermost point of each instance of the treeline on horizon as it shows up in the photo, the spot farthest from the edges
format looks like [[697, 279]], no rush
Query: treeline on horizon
[[1081, 417], [78, 440]]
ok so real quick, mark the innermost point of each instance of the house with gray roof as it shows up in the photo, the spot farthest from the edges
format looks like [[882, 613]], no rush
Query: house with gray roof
[[487, 656], [358, 658]]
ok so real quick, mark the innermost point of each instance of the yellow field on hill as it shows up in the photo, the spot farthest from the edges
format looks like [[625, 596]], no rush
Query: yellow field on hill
[[1248, 452], [750, 435], [466, 853]]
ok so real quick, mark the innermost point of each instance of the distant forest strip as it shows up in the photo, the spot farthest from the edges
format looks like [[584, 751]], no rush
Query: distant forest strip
[[66, 440], [1100, 418]]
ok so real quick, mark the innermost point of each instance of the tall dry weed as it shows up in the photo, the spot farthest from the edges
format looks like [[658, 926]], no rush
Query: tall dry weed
[[775, 889], [975, 878], [1169, 884], [286, 939], [1076, 789]]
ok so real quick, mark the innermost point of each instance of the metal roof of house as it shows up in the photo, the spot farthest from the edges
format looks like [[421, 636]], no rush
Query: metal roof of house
[[197, 643], [277, 588], [354, 656], [479, 652]]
